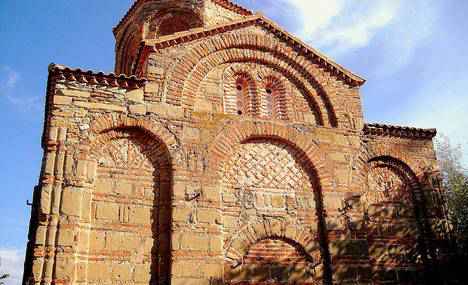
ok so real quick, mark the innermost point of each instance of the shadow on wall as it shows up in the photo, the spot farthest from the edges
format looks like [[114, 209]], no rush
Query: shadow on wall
[[272, 273], [380, 241]]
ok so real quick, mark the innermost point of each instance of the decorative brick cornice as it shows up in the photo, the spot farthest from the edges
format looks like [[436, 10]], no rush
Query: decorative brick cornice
[[60, 72], [399, 131], [127, 15], [223, 3], [233, 7], [260, 20]]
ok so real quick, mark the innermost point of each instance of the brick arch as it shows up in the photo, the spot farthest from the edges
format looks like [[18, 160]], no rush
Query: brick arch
[[232, 47], [396, 154], [235, 55], [398, 165], [416, 198], [370, 152], [302, 239], [102, 125], [305, 152], [126, 49], [309, 153]]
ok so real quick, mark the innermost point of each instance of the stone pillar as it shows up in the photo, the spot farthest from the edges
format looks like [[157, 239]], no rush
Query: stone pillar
[[46, 249]]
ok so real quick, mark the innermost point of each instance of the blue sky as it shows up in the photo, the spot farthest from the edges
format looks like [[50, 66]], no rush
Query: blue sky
[[413, 54]]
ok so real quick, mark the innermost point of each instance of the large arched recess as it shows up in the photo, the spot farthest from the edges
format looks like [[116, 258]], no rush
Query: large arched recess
[[130, 198], [227, 48], [307, 155], [394, 189]]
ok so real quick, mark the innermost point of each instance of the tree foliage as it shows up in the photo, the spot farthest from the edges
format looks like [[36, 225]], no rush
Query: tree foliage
[[2, 278], [455, 183]]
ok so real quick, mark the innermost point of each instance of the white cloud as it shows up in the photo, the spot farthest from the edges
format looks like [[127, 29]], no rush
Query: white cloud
[[12, 79], [410, 29], [12, 262], [9, 80], [338, 26]]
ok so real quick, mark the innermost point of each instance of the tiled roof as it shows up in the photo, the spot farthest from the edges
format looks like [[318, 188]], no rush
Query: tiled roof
[[399, 131], [264, 22], [223, 3], [233, 7], [95, 78]]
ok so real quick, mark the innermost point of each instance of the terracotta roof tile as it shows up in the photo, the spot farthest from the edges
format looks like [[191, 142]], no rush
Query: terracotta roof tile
[[95, 78], [233, 7], [399, 131]]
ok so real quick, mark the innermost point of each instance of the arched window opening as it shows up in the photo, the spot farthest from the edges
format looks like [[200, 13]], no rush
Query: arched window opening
[[274, 99], [269, 103], [242, 92], [240, 95], [172, 22]]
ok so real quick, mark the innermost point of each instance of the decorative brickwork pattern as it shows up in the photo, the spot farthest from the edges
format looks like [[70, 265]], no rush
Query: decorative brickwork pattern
[[228, 48], [269, 194]]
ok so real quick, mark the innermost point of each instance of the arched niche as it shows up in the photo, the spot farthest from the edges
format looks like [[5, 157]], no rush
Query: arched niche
[[130, 220], [171, 21], [393, 214], [270, 193]]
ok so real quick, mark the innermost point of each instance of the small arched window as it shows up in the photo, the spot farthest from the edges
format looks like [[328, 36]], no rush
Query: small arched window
[[273, 99], [240, 98], [242, 95]]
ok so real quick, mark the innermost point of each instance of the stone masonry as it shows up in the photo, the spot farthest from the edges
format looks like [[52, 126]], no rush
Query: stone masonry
[[226, 152]]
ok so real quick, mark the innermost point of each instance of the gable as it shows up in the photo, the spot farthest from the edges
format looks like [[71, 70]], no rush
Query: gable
[[294, 45]]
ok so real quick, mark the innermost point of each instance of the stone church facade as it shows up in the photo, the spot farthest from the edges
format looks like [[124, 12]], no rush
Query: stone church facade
[[227, 152]]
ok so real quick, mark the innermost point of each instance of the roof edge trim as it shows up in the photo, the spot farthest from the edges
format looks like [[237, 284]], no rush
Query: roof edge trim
[[223, 3], [258, 19], [399, 131], [61, 72]]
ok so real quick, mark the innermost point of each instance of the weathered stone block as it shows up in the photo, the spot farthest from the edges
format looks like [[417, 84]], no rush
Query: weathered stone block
[[62, 100], [107, 211], [140, 215], [102, 106], [210, 216], [136, 95], [139, 109], [195, 241], [71, 202], [182, 214], [121, 272], [74, 93], [99, 271], [66, 237], [142, 273]]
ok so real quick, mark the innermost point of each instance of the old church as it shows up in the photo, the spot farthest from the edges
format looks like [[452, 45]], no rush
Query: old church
[[224, 150]]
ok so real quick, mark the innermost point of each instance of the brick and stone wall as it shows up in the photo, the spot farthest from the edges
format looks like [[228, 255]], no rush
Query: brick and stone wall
[[242, 159]]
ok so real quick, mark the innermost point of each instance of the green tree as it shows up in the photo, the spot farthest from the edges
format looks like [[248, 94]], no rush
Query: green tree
[[455, 182], [2, 278]]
